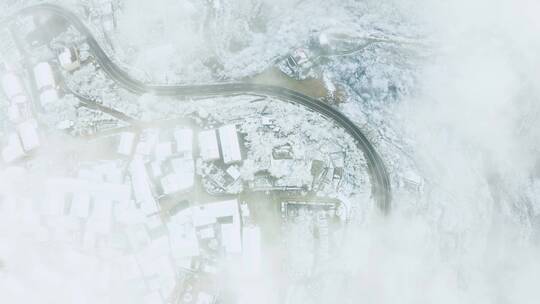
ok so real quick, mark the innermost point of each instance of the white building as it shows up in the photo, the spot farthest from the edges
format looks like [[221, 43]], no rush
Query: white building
[[14, 113], [184, 243], [155, 169], [13, 150], [48, 96], [125, 146], [233, 172], [69, 59], [28, 134], [19, 109], [44, 76], [80, 205], [251, 250], [147, 142], [46, 84], [208, 145], [12, 85], [174, 182], [163, 150], [156, 265], [101, 217], [181, 178], [227, 215], [137, 236], [184, 140], [230, 146], [141, 187]]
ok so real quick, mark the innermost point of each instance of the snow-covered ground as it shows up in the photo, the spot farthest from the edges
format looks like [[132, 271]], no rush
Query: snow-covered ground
[[204, 41], [451, 99]]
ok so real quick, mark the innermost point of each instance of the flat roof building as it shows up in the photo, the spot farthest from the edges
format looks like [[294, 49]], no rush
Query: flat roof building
[[226, 215], [233, 172], [69, 59], [182, 177], [48, 96], [208, 145], [141, 187], [13, 150], [184, 140], [14, 113], [80, 205], [12, 85], [251, 250], [176, 182], [147, 142], [125, 146], [230, 146], [163, 150], [44, 76], [183, 240], [28, 134]]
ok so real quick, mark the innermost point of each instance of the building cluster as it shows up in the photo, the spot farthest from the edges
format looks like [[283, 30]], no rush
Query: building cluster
[[287, 164], [24, 136], [263, 159], [183, 264], [22, 111], [29, 94], [287, 148], [278, 158], [78, 210], [299, 64], [309, 227], [217, 234], [221, 155], [167, 202], [179, 255], [164, 161], [328, 175]]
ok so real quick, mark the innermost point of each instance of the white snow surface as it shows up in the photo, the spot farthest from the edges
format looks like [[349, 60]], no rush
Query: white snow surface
[[465, 111]]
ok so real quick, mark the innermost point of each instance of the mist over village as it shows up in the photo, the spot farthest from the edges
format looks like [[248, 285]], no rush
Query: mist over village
[[272, 152]]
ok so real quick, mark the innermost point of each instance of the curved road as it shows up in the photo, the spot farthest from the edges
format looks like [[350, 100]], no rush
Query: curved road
[[381, 189]]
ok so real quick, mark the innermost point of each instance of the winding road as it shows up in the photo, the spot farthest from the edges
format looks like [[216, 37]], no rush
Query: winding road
[[380, 181]]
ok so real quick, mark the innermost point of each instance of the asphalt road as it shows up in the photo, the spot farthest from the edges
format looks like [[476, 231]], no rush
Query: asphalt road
[[380, 181]]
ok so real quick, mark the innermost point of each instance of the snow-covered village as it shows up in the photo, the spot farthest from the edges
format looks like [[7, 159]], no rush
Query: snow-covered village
[[222, 151], [177, 191]]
